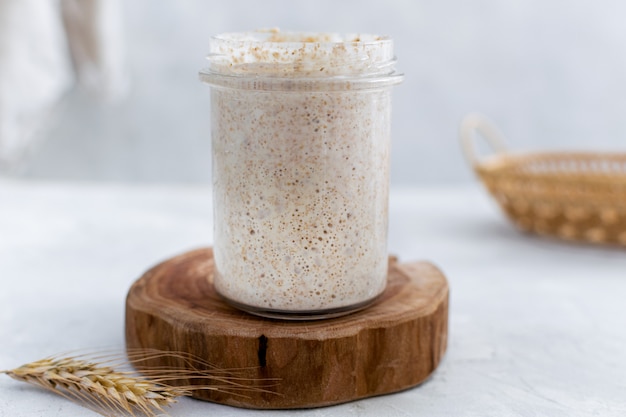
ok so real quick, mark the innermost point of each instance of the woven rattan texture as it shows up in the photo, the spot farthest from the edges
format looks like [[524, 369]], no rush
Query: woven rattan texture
[[574, 196]]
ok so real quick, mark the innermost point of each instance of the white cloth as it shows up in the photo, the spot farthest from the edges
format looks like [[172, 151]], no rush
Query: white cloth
[[41, 41], [95, 37]]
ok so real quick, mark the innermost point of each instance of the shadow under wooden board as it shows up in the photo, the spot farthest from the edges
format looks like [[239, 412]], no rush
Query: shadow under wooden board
[[394, 344]]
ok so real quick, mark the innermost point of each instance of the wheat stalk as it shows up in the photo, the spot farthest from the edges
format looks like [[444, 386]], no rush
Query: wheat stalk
[[93, 381]]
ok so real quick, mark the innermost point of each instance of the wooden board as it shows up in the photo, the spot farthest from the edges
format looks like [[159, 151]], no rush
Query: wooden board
[[392, 345]]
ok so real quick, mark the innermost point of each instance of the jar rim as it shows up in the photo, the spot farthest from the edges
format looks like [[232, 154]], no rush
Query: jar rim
[[261, 83], [274, 60]]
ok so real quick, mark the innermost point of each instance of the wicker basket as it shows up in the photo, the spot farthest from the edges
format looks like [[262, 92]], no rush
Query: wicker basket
[[570, 195]]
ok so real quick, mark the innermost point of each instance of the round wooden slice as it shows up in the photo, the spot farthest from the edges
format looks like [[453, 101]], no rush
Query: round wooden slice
[[394, 344]]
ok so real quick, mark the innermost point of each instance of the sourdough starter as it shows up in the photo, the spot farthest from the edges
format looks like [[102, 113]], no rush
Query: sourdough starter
[[300, 170]]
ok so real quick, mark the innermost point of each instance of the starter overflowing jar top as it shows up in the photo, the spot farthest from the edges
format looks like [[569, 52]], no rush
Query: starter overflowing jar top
[[273, 60]]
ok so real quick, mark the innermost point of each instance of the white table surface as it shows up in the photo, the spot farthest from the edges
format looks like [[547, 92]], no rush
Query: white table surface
[[537, 327]]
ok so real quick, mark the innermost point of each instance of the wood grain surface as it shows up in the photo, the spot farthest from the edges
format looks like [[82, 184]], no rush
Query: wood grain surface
[[392, 345]]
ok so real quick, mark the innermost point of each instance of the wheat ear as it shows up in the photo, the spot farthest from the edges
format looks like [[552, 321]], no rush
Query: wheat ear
[[100, 388], [110, 392]]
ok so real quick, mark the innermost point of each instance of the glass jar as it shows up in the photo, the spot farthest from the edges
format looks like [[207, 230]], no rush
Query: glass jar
[[301, 140]]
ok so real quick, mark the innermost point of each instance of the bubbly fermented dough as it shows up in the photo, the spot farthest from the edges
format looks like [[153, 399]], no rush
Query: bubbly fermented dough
[[300, 180]]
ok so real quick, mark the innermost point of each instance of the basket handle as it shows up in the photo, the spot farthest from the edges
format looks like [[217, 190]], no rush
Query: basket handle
[[477, 123]]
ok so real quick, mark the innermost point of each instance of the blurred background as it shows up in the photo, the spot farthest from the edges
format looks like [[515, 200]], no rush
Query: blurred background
[[105, 90]]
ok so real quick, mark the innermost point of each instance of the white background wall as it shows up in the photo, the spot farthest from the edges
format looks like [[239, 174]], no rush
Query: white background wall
[[551, 73]]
